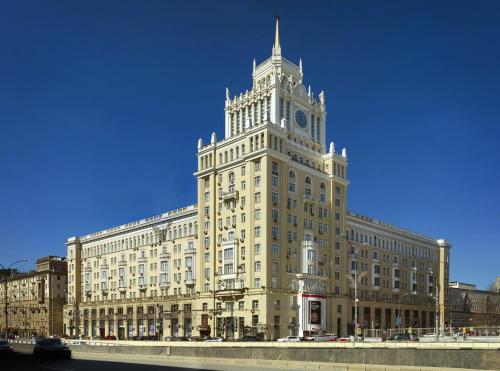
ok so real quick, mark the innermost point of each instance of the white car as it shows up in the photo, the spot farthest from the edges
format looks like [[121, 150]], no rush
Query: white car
[[325, 337], [289, 339]]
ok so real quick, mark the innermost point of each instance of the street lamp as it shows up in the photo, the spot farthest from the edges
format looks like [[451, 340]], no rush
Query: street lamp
[[354, 252], [5, 294]]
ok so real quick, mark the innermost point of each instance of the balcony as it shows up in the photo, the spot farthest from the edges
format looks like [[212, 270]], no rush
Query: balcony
[[229, 196], [122, 288], [165, 255], [165, 284], [310, 198], [190, 282]]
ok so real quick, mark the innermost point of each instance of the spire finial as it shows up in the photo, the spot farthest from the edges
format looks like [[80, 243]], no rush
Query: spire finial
[[254, 65], [277, 46]]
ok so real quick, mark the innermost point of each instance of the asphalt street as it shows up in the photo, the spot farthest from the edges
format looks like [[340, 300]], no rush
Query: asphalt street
[[23, 360]]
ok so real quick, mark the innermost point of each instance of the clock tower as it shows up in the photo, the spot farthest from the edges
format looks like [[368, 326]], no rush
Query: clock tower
[[278, 96]]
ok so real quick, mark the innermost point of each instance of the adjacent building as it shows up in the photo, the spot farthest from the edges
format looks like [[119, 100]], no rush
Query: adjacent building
[[472, 307], [35, 299], [268, 249]]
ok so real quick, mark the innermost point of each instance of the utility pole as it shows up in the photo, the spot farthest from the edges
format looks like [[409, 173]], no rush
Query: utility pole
[[436, 299]]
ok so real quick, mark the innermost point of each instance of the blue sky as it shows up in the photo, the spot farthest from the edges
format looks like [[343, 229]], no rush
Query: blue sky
[[100, 102]]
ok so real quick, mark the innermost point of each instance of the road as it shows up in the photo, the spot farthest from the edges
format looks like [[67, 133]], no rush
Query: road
[[23, 360]]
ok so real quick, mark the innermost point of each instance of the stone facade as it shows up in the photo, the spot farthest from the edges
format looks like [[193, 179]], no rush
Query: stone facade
[[35, 299], [472, 307], [267, 248]]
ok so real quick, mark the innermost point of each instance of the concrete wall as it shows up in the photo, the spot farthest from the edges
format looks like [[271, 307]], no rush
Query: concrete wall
[[484, 357]]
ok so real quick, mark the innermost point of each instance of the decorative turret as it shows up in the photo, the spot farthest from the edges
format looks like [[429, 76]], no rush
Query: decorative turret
[[344, 153], [214, 138], [200, 143], [332, 147]]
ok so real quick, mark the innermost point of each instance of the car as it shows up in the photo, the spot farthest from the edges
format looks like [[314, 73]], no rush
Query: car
[[250, 338], [110, 337], [290, 339], [402, 337], [52, 347], [216, 339], [325, 337], [5, 347]]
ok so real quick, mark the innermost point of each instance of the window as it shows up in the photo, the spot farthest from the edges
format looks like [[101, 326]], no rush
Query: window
[[257, 166], [257, 214], [257, 283], [274, 198], [257, 231], [275, 248], [275, 231], [275, 181], [274, 167], [257, 248], [257, 266], [275, 214], [257, 198], [257, 181]]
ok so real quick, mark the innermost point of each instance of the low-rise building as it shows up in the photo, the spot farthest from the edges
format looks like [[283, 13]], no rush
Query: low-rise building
[[472, 307], [35, 299]]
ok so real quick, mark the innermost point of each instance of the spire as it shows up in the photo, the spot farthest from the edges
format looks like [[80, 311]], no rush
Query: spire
[[277, 46]]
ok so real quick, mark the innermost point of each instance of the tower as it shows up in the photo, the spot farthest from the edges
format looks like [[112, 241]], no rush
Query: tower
[[271, 205]]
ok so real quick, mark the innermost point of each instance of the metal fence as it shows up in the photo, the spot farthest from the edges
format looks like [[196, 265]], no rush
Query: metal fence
[[428, 332]]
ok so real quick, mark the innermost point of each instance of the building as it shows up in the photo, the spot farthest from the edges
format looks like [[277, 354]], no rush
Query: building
[[35, 299], [472, 307], [496, 286], [266, 250]]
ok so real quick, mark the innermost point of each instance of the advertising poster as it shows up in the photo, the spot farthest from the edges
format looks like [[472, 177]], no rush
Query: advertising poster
[[315, 312]]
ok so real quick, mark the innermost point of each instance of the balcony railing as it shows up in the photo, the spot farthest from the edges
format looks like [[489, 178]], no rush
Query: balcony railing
[[231, 195]]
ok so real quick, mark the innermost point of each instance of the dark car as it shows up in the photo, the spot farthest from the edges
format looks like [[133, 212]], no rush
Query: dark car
[[250, 338], [402, 337], [51, 348], [5, 348], [110, 337]]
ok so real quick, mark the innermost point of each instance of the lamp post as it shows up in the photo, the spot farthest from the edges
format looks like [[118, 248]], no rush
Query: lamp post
[[5, 294], [354, 252]]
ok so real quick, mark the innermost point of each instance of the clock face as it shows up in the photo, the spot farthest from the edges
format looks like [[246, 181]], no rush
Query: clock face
[[300, 119]]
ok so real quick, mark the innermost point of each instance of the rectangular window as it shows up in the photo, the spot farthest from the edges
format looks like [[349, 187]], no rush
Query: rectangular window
[[257, 214], [257, 198], [275, 181], [257, 248], [257, 266], [257, 231], [257, 181]]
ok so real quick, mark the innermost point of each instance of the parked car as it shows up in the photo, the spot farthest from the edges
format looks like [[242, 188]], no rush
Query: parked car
[[53, 347], [250, 338], [344, 339], [325, 337], [110, 337], [402, 337], [290, 339], [216, 339], [5, 347]]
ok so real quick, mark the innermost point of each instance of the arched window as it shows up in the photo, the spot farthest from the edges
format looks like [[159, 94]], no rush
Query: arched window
[[237, 152], [231, 154], [225, 156], [231, 178], [220, 158], [291, 174]]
